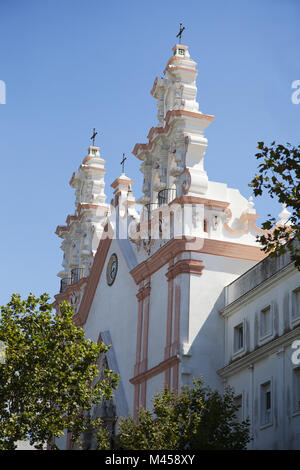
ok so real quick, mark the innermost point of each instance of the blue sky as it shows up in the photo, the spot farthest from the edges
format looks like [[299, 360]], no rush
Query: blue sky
[[71, 65]]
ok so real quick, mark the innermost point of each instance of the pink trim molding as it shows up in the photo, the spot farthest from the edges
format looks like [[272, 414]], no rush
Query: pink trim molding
[[161, 367]]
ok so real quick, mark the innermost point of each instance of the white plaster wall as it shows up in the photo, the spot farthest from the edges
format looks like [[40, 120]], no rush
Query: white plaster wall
[[206, 328], [154, 385], [276, 364], [115, 309], [266, 437], [241, 384], [157, 317], [279, 296], [291, 418], [284, 430], [238, 204]]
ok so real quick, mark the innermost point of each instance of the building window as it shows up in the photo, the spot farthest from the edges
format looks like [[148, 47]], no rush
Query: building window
[[238, 401], [266, 328], [296, 304], [238, 339], [296, 388], [265, 404]]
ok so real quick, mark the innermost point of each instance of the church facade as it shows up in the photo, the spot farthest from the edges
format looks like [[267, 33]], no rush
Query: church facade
[[176, 281]]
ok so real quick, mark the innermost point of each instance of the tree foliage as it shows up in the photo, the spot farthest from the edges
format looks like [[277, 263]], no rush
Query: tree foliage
[[278, 175], [45, 382], [197, 419]]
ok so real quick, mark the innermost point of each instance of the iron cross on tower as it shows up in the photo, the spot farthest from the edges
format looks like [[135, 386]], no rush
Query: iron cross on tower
[[181, 29], [123, 162], [93, 136]]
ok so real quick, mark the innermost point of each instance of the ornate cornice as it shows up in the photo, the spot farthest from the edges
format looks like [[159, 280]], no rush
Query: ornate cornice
[[90, 167], [171, 69], [144, 291], [121, 181], [199, 200], [154, 86], [185, 266], [208, 246], [81, 207], [246, 218], [251, 294], [164, 130]]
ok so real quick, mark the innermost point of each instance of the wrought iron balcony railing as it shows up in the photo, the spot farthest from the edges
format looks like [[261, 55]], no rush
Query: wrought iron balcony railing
[[64, 282], [76, 275], [165, 196]]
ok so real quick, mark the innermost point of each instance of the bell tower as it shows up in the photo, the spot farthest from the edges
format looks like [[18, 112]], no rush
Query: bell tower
[[83, 230], [173, 158]]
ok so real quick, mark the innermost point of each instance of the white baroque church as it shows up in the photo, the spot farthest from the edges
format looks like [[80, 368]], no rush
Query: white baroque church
[[176, 281]]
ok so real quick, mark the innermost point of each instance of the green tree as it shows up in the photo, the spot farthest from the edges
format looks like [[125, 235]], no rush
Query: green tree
[[45, 380], [279, 173], [198, 418]]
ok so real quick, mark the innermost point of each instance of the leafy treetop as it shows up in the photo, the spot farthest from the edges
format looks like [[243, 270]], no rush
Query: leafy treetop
[[279, 173], [198, 418], [45, 382]]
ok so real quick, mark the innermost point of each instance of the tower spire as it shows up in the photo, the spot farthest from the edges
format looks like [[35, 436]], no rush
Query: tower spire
[[94, 136], [173, 158], [123, 164], [181, 29], [83, 230]]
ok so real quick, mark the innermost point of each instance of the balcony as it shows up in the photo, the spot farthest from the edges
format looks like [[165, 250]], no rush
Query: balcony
[[64, 282], [76, 275], [165, 196]]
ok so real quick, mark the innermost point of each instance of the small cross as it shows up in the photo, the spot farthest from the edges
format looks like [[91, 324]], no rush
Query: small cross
[[123, 162], [93, 136], [180, 32]]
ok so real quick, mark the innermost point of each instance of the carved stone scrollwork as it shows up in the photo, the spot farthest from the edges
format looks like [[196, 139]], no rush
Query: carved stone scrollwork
[[247, 220], [178, 95], [147, 171], [177, 166], [183, 183], [156, 183], [146, 187]]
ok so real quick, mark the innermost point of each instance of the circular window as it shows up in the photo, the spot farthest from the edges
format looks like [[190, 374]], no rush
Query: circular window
[[112, 269]]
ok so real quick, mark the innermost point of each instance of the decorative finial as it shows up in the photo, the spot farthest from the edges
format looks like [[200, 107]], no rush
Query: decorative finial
[[181, 29], [251, 205], [93, 136], [284, 216], [123, 162]]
